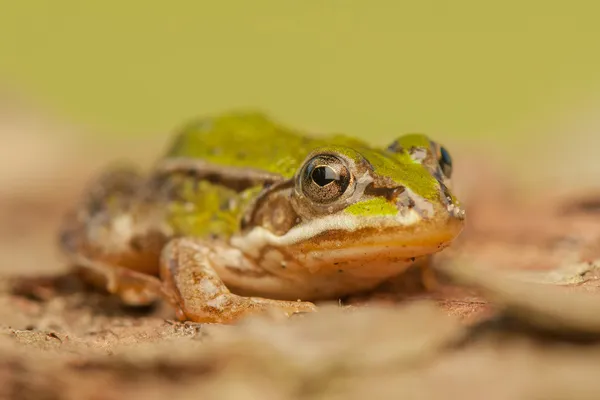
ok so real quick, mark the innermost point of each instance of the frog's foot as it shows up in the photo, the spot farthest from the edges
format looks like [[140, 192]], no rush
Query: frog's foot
[[132, 287], [198, 293]]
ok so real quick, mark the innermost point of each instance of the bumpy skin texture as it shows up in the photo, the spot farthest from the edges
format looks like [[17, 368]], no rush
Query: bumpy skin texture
[[241, 206]]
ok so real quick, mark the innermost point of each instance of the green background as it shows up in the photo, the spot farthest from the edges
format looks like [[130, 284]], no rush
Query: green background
[[455, 69]]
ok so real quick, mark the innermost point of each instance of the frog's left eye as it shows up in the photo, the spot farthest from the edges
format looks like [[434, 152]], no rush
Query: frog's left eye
[[325, 178], [445, 161]]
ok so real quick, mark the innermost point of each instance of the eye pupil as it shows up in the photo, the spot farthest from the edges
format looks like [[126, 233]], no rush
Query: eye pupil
[[324, 175]]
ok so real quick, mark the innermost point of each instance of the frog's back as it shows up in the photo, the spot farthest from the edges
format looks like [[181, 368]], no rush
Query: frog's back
[[245, 139]]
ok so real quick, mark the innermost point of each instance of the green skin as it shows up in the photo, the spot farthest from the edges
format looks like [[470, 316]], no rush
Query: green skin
[[253, 140], [235, 194]]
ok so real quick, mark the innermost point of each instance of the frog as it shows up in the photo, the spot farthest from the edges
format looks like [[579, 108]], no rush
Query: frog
[[243, 214]]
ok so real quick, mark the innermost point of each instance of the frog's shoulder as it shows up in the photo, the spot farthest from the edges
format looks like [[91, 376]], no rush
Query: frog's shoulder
[[249, 139]]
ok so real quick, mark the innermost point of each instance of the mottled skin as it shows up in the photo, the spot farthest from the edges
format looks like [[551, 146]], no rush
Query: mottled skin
[[245, 215]]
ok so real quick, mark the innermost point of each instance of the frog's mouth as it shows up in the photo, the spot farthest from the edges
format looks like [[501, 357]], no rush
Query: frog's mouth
[[331, 238], [373, 243]]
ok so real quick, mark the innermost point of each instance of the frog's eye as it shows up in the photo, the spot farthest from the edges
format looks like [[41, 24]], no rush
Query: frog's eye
[[325, 178], [445, 161]]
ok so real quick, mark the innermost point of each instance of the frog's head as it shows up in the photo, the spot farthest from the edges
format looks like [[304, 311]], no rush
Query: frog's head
[[357, 200]]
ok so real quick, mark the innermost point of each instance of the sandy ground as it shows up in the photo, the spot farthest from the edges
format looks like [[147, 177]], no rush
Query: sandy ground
[[486, 333]]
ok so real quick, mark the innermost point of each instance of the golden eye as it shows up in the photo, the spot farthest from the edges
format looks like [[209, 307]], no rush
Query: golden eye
[[325, 178]]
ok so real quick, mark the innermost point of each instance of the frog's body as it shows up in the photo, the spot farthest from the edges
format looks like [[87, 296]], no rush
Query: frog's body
[[240, 202]]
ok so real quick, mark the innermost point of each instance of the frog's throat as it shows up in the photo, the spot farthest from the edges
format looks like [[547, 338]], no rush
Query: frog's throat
[[392, 230]]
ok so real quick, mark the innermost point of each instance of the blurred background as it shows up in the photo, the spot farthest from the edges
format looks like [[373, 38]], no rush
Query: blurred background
[[511, 88], [514, 84]]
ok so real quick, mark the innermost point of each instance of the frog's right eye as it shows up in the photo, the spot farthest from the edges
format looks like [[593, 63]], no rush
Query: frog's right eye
[[445, 161], [325, 178]]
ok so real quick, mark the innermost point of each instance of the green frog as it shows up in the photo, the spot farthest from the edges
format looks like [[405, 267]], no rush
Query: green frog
[[244, 214]]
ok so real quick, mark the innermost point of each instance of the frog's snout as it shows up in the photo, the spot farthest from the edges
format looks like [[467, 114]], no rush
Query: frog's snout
[[456, 212]]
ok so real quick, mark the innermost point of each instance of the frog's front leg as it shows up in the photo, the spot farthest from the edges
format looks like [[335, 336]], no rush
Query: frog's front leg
[[188, 269]]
